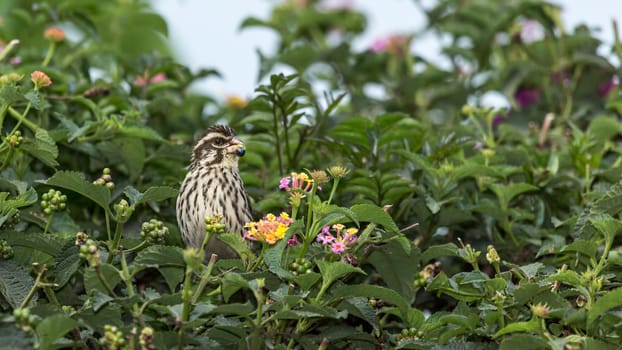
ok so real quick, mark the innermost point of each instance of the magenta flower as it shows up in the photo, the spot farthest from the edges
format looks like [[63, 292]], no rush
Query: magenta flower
[[605, 89], [395, 44], [338, 247], [526, 97], [293, 241]]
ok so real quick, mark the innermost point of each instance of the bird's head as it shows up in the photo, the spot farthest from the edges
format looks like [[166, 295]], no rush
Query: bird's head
[[219, 147]]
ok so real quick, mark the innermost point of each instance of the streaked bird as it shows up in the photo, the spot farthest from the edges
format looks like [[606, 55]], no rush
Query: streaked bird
[[212, 187]]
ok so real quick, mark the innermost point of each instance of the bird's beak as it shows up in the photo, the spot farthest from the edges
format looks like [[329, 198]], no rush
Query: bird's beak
[[237, 147]]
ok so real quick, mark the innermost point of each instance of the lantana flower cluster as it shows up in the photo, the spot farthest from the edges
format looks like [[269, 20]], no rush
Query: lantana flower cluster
[[339, 240], [296, 182], [270, 229]]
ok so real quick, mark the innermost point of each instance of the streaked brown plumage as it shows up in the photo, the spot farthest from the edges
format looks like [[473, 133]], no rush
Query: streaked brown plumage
[[213, 187]]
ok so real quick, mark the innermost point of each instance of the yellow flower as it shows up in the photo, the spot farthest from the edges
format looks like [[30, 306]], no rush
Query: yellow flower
[[236, 102]]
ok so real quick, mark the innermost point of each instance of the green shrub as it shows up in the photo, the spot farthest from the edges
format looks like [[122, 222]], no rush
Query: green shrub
[[420, 219]]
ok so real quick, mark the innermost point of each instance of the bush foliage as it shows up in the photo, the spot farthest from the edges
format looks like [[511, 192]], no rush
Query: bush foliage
[[394, 208]]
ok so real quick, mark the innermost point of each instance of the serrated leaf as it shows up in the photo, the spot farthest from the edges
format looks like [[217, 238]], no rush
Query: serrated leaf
[[523, 342], [52, 328], [14, 338], [43, 148], [15, 283], [35, 99], [160, 255], [612, 299], [376, 215], [173, 275], [74, 181], [386, 257], [67, 263]]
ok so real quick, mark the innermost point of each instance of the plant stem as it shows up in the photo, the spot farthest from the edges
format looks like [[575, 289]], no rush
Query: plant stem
[[21, 118], [333, 190], [115, 242], [47, 224], [186, 297], [276, 134], [36, 285], [49, 54], [204, 278]]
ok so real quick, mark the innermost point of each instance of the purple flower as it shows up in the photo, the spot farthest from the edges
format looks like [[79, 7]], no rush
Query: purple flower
[[606, 88], [531, 31], [526, 97]]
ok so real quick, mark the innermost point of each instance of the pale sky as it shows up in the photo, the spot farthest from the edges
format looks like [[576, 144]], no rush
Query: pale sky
[[205, 34]]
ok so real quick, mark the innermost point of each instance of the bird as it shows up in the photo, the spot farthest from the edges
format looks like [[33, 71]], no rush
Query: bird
[[213, 187]]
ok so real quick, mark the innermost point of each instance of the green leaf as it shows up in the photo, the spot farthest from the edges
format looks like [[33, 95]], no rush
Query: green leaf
[[44, 148], [612, 299], [238, 244], [523, 342], [160, 255], [14, 338], [52, 328], [67, 263], [505, 193], [35, 99], [15, 283], [153, 194], [173, 275], [75, 181], [108, 273], [376, 215], [435, 251], [331, 271], [231, 283], [386, 257], [373, 291], [529, 326]]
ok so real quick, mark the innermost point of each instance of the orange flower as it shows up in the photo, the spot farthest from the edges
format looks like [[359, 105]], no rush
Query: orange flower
[[54, 34], [40, 79]]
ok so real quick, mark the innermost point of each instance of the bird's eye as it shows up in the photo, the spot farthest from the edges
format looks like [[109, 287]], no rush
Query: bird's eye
[[219, 141]]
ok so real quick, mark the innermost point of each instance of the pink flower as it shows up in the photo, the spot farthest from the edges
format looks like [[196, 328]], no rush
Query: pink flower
[[40, 79], [338, 247], [284, 183], [531, 31], [395, 44], [325, 238], [145, 79]]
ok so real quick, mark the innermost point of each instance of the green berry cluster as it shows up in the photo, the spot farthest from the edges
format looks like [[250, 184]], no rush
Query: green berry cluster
[[15, 139], [53, 201], [146, 339], [154, 231], [24, 320], [409, 334], [6, 251], [105, 179], [12, 221], [301, 266], [113, 338], [214, 225], [90, 253]]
